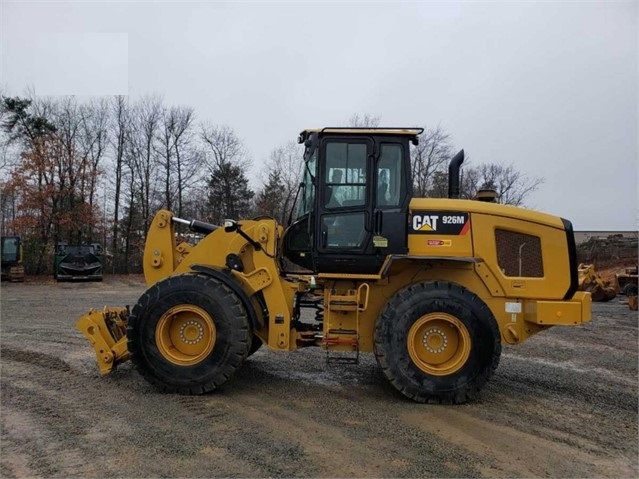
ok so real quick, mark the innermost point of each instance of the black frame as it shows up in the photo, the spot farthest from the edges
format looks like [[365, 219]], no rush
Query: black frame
[[385, 226]]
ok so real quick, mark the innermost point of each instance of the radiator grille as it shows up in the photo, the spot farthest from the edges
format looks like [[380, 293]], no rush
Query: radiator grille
[[509, 244]]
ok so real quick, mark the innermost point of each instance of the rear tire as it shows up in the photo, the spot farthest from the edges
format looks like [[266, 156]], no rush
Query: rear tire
[[188, 334], [437, 342]]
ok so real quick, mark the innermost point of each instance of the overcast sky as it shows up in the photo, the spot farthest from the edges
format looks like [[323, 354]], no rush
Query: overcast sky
[[549, 87]]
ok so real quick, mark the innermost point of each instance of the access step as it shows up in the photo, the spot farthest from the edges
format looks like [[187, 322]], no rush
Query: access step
[[342, 342]]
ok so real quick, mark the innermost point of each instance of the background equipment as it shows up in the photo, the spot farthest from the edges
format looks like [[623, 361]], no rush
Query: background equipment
[[80, 262], [12, 267]]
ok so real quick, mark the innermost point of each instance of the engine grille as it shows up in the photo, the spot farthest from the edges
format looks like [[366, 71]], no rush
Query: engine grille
[[510, 244]]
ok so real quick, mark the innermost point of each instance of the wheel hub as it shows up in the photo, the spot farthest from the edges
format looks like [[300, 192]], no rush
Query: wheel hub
[[435, 340], [439, 344], [191, 332], [185, 334]]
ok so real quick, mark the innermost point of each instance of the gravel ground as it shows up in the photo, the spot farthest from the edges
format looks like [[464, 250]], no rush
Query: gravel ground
[[564, 404]]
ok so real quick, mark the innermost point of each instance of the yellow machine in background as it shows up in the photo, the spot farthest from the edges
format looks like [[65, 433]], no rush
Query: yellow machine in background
[[592, 282], [433, 287]]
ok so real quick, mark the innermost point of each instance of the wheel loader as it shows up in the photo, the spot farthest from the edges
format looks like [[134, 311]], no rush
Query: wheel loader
[[432, 287], [591, 281]]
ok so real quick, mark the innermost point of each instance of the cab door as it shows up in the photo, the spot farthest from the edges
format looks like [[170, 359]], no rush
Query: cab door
[[391, 198], [362, 207]]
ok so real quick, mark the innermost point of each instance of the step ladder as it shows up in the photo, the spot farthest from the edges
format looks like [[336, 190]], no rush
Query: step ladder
[[341, 339]]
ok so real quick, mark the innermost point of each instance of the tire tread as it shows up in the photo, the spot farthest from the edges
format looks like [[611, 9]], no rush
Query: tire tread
[[187, 285], [451, 291]]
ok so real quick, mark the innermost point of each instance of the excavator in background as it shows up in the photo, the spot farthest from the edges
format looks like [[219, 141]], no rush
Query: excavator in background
[[591, 281], [11, 250], [433, 287]]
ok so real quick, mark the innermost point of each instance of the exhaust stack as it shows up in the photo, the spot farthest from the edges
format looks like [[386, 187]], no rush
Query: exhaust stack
[[453, 175]]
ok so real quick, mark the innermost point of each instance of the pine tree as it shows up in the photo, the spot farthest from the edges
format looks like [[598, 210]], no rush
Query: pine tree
[[229, 193], [270, 201]]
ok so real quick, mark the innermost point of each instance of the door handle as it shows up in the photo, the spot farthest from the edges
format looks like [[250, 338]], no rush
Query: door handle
[[378, 222]]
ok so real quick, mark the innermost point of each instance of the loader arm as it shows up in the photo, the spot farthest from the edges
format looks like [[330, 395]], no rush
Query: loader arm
[[253, 246]]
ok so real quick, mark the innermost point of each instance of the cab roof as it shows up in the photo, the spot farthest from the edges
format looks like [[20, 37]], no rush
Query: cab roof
[[412, 132]]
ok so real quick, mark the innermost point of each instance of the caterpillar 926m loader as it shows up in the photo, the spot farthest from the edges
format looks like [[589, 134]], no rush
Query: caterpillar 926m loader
[[433, 287]]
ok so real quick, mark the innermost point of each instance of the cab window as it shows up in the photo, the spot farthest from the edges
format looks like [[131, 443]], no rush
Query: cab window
[[389, 176], [345, 175], [305, 203]]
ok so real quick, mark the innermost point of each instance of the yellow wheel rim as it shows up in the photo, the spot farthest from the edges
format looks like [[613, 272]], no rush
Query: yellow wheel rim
[[439, 344], [185, 335]]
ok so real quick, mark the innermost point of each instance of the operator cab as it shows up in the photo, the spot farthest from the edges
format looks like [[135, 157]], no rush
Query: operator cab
[[352, 208]]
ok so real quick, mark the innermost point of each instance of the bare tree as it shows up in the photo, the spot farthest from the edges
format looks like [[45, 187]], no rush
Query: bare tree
[[429, 157], [166, 153], [81, 139], [224, 146], [439, 185], [364, 121], [188, 158], [284, 173], [512, 186], [229, 192], [120, 134], [94, 141], [143, 160]]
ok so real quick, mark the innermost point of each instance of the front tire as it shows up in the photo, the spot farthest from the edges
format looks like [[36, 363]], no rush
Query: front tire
[[256, 343], [437, 342], [188, 334]]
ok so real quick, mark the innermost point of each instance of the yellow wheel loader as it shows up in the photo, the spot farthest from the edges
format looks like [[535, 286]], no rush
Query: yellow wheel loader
[[433, 287], [591, 281]]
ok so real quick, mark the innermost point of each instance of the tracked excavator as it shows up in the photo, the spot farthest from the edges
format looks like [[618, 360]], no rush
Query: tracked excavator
[[12, 266], [433, 287]]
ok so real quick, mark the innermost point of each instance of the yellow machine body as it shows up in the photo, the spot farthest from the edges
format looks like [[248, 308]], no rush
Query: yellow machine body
[[521, 305], [433, 287]]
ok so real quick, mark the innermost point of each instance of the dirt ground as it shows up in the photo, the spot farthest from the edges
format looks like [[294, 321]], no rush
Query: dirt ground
[[564, 404]]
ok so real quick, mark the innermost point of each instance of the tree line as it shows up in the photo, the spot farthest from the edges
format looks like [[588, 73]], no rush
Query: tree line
[[96, 171]]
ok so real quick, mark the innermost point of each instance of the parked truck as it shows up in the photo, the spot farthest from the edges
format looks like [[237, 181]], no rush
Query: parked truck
[[78, 262]]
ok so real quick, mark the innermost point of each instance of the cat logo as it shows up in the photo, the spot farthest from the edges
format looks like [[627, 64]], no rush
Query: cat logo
[[440, 223], [425, 222]]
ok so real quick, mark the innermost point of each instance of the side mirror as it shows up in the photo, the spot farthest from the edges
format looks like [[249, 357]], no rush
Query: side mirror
[[230, 226]]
